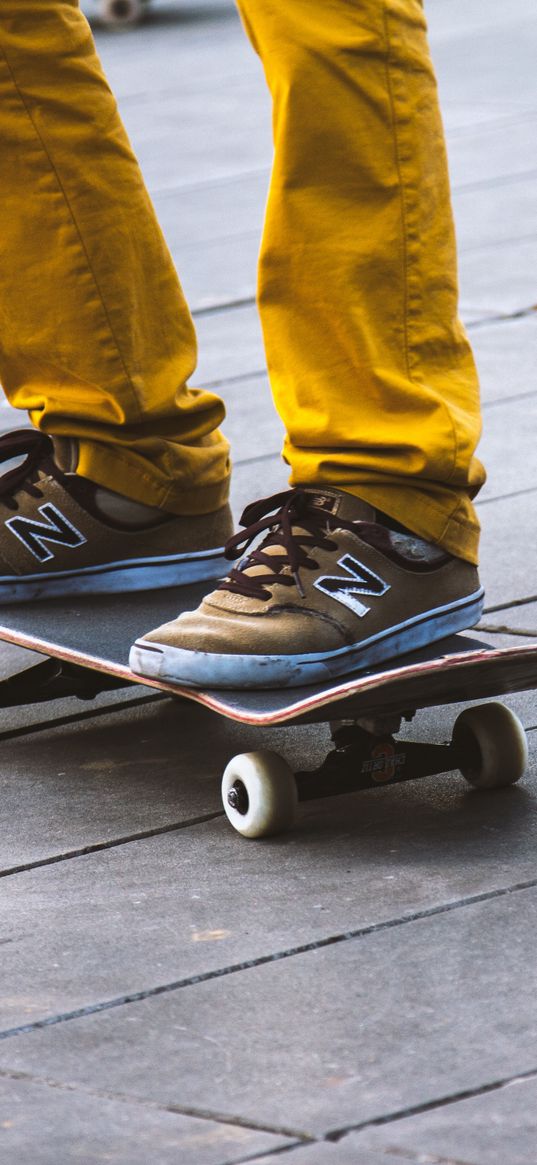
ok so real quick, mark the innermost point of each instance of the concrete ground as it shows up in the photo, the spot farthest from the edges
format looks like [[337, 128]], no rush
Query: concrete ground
[[362, 991]]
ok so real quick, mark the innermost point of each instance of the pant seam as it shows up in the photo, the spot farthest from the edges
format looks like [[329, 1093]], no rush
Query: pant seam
[[402, 202], [454, 457], [76, 228]]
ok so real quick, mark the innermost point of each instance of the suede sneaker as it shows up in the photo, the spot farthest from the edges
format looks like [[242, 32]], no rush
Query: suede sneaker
[[56, 541], [328, 590]]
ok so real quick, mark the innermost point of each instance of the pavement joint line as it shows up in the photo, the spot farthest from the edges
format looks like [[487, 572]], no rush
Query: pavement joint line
[[431, 1159], [337, 1135], [229, 236], [503, 629], [494, 123], [499, 180], [256, 375], [517, 493], [112, 843], [213, 309], [213, 183], [263, 960], [499, 400], [277, 1152], [76, 717], [521, 313], [157, 95], [259, 457], [509, 604], [470, 248], [206, 1114]]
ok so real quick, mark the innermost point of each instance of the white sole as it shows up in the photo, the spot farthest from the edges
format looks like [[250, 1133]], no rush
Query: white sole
[[212, 670], [111, 578]]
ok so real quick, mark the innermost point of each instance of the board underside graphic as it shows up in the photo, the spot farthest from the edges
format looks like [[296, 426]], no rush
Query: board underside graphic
[[97, 633]]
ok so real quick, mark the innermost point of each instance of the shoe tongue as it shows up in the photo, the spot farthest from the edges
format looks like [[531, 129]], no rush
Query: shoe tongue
[[333, 502], [66, 454], [339, 504]]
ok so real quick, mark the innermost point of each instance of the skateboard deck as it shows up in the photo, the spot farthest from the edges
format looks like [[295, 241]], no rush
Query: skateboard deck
[[97, 633], [87, 644]]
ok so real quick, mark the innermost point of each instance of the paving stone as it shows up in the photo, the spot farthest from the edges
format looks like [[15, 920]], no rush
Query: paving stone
[[245, 484], [196, 136], [220, 272], [521, 621], [473, 75], [178, 49], [341, 1153], [116, 775], [507, 447], [453, 23], [230, 345], [96, 780], [43, 1124], [492, 153], [328, 1039], [508, 552], [40, 717], [213, 210], [181, 904], [14, 659], [495, 215], [252, 423], [506, 356], [498, 278], [491, 1129]]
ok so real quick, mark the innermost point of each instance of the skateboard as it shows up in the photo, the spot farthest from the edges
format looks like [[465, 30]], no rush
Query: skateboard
[[86, 643]]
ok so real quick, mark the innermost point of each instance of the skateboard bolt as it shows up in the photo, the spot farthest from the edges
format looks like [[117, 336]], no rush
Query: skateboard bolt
[[238, 798]]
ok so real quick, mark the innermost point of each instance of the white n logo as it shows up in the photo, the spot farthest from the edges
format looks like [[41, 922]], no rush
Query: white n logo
[[346, 590], [55, 528]]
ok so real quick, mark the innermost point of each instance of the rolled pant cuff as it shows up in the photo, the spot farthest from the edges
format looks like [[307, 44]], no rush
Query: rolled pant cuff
[[129, 475], [457, 532]]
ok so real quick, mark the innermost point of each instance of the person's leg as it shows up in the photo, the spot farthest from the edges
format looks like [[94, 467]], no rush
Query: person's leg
[[96, 340], [370, 367], [371, 370]]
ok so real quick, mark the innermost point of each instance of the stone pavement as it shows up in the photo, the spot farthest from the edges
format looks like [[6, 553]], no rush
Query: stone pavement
[[362, 991]]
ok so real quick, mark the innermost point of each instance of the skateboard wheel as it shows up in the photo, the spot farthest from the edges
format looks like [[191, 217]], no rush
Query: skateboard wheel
[[120, 11], [495, 743], [259, 793]]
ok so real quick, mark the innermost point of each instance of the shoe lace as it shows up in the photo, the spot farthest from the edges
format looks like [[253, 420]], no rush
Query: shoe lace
[[33, 447], [295, 527]]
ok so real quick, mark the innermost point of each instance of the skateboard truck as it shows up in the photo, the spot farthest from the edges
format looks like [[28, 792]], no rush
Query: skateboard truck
[[55, 678], [260, 792], [366, 755]]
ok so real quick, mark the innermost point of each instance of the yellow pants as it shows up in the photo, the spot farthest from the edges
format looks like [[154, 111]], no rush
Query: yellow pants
[[370, 368]]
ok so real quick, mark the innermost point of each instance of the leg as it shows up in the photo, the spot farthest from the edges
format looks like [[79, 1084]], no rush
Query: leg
[[96, 341], [370, 367]]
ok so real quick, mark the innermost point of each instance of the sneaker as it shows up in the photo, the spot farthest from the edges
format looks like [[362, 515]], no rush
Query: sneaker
[[327, 591], [55, 541]]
